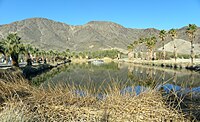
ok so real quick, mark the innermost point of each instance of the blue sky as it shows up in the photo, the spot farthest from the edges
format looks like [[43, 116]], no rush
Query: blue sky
[[160, 14]]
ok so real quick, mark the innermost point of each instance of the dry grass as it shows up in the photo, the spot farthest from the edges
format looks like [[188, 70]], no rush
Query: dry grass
[[22, 102]]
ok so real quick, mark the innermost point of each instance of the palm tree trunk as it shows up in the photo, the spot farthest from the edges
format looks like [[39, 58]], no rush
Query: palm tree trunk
[[147, 55], [136, 55], [151, 54], [29, 60], [154, 55], [175, 77], [15, 57], [175, 51], [192, 51], [6, 59], [163, 75], [163, 50], [141, 55]]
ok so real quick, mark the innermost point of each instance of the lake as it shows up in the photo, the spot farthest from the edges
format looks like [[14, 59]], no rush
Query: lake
[[139, 76]]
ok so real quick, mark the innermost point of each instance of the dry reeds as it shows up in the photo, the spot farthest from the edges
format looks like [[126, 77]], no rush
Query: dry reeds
[[22, 102]]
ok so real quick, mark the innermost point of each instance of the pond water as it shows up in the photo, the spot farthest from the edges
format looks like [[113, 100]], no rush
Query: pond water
[[130, 74]]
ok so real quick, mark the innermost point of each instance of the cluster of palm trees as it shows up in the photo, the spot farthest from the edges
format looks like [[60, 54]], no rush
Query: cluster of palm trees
[[12, 47], [150, 42]]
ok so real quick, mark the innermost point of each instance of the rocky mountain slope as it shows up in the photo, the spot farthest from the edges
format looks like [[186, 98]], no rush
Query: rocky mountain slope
[[182, 47], [95, 35]]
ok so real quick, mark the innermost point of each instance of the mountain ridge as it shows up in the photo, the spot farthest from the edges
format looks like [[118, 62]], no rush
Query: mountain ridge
[[94, 35]]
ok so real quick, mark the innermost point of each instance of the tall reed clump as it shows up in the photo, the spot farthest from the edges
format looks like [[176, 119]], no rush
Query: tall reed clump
[[22, 102]]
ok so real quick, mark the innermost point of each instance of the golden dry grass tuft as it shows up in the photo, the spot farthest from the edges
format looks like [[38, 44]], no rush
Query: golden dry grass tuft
[[22, 102]]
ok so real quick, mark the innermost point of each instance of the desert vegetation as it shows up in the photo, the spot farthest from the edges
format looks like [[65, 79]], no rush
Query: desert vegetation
[[13, 48], [22, 98], [22, 102], [150, 43]]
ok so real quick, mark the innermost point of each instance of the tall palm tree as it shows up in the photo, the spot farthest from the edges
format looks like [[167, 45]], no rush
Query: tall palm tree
[[130, 47], [191, 29], [173, 34], [135, 44], [36, 52], [2, 48], [162, 36], [141, 41], [47, 56], [150, 43], [29, 50], [43, 54], [40, 56], [12, 46]]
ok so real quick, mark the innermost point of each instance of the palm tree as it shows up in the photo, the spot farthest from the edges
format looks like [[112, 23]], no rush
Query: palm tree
[[40, 56], [173, 34], [48, 56], [2, 48], [67, 53], [43, 54], [11, 46], [130, 47], [135, 44], [191, 29], [51, 55], [141, 41], [162, 36], [150, 43], [36, 52], [29, 50]]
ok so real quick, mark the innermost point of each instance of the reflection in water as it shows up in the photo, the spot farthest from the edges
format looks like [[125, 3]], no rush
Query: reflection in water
[[131, 74], [163, 75], [133, 90], [170, 87], [141, 71], [174, 77], [192, 78], [154, 72], [131, 80]]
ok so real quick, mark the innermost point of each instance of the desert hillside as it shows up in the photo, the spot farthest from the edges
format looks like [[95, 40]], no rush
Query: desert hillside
[[183, 46], [94, 35]]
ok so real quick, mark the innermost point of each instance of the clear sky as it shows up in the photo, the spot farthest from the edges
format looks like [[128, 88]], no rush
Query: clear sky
[[160, 14]]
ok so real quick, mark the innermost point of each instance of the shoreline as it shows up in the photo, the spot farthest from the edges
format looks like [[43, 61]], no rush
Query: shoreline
[[180, 64]]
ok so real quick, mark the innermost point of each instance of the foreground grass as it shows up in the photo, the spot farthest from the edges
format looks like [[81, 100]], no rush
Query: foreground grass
[[22, 102]]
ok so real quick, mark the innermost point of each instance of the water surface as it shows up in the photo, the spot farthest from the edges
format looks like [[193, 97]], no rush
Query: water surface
[[129, 74]]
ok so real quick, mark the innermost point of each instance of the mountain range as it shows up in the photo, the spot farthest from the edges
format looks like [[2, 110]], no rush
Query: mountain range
[[95, 35]]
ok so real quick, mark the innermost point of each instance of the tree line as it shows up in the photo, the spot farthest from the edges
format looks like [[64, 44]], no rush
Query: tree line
[[150, 42], [12, 47]]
